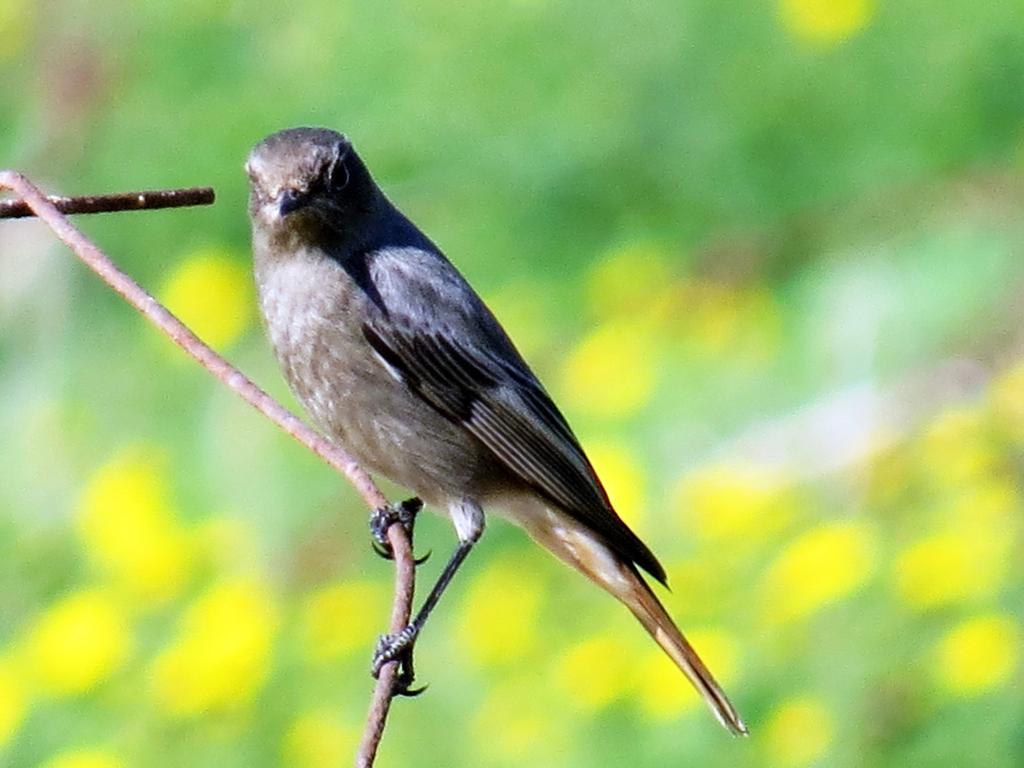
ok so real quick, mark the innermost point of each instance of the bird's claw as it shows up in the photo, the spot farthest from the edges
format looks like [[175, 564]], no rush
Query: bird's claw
[[382, 550], [394, 647], [384, 517], [422, 560], [403, 688], [398, 648]]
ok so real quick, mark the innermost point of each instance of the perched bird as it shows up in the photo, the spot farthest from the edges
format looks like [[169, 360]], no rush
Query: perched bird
[[398, 360]]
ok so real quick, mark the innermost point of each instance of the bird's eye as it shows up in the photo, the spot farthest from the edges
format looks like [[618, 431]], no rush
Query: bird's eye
[[338, 175]]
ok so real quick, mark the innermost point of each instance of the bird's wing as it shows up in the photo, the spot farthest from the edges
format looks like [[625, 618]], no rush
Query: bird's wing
[[493, 395]]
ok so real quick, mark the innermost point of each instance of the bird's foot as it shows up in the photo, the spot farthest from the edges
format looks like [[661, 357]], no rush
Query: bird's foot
[[382, 518], [398, 647]]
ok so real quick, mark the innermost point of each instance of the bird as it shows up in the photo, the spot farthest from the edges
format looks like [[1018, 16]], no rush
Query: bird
[[398, 360]]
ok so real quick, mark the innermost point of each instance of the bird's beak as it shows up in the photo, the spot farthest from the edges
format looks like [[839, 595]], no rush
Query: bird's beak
[[291, 200]]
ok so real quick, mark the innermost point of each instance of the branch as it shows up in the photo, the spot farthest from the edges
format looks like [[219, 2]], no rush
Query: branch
[[401, 610], [124, 201], [49, 212]]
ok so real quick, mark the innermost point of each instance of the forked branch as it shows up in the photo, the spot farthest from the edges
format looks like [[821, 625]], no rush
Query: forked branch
[[49, 210]]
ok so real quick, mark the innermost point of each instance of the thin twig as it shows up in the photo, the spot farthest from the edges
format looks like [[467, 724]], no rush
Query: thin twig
[[124, 201], [384, 691], [166, 322]]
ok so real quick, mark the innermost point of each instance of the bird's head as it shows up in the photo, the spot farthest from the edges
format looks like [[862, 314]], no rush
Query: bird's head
[[307, 177]]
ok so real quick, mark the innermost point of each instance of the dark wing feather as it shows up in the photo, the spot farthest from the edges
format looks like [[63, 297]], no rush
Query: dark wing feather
[[497, 400]]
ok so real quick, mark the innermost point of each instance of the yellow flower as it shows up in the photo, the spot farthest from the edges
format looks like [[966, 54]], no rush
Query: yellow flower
[[623, 479], [1006, 398], [714, 315], [497, 622], [799, 732], [978, 654], [316, 740], [994, 504], [79, 642], [212, 293], [826, 21], [725, 321], [887, 471], [515, 725], [823, 565], [948, 567], [13, 701], [223, 653], [664, 693], [627, 279], [342, 619], [611, 372], [84, 758], [130, 531], [734, 505], [16, 20], [958, 448], [596, 671]]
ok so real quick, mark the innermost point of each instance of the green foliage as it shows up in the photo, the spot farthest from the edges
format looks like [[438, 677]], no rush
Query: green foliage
[[779, 246]]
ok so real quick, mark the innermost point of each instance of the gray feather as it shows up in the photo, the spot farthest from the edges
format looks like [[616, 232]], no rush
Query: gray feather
[[450, 351]]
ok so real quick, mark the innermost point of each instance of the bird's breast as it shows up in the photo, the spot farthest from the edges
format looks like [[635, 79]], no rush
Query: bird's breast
[[314, 314]]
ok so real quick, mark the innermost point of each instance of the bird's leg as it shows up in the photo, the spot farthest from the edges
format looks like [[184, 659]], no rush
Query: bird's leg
[[383, 518], [398, 647]]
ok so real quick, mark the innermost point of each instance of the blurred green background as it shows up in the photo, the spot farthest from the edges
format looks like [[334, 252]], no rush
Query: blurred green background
[[767, 257]]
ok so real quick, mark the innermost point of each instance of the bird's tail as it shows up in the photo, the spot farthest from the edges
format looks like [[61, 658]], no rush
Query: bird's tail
[[649, 610], [580, 548]]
